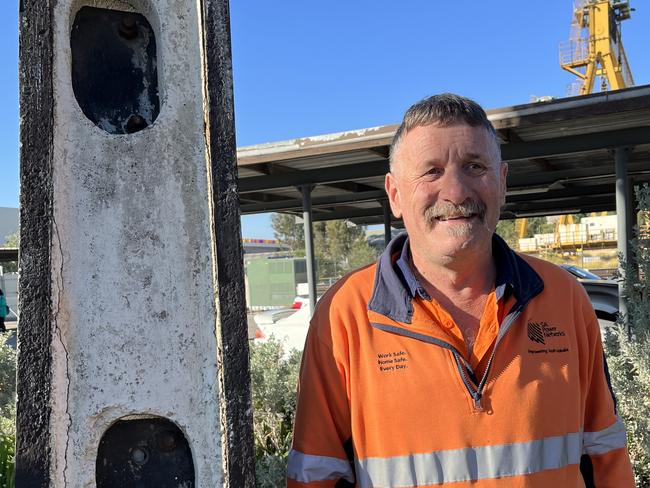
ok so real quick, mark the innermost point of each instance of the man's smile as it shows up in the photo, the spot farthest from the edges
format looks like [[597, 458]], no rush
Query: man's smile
[[452, 214], [462, 218]]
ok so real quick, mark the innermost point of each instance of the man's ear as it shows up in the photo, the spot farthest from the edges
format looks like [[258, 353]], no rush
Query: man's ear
[[390, 183]]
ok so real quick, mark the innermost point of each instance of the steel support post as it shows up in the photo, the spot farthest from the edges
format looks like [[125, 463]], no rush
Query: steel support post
[[623, 221], [309, 244], [387, 231], [632, 212]]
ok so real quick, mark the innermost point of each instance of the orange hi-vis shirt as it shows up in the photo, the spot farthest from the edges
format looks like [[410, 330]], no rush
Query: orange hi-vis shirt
[[388, 396]]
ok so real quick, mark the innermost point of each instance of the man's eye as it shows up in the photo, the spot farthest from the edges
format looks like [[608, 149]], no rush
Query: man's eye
[[476, 168], [434, 172]]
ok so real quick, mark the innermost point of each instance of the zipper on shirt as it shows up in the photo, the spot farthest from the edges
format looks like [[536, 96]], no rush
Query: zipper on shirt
[[464, 368], [505, 326]]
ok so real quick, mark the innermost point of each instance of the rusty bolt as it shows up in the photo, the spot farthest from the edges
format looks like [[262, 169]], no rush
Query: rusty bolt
[[128, 28], [135, 123], [139, 455]]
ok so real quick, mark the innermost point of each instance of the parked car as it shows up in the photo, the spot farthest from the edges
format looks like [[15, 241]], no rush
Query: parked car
[[272, 316], [291, 330], [300, 301], [288, 325], [602, 293], [580, 272]]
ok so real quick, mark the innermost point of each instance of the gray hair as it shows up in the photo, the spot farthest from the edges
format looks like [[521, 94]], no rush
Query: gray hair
[[443, 110]]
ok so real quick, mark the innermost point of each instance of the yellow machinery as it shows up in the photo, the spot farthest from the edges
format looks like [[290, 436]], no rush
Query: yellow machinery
[[596, 48], [562, 221], [521, 226]]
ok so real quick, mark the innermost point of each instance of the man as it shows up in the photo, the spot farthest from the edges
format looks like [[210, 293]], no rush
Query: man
[[4, 310], [453, 360]]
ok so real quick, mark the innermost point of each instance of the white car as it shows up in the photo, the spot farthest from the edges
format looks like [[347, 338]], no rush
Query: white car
[[289, 326]]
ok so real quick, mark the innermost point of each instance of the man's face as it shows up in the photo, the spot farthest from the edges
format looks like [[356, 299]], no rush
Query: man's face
[[448, 185]]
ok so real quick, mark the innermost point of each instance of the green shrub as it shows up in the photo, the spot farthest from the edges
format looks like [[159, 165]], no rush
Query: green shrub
[[274, 376], [7, 413], [628, 352], [7, 450]]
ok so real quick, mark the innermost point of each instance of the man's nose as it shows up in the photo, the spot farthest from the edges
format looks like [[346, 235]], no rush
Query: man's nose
[[454, 187]]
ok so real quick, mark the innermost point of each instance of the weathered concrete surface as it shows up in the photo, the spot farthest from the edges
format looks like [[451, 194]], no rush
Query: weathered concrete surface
[[133, 206]]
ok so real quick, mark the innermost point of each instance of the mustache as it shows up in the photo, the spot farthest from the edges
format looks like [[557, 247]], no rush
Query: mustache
[[446, 210]]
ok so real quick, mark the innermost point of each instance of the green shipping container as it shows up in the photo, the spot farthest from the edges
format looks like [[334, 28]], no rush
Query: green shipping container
[[272, 282]]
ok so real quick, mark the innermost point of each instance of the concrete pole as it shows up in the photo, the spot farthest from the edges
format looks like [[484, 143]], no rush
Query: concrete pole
[[387, 230], [309, 244], [624, 232], [130, 369]]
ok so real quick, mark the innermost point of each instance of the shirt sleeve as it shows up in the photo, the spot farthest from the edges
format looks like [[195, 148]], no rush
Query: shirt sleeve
[[321, 450], [606, 462]]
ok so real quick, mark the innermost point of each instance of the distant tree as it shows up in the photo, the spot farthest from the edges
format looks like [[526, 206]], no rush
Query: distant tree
[[347, 246], [288, 232], [539, 225], [324, 265], [339, 238], [361, 253], [506, 229], [12, 240]]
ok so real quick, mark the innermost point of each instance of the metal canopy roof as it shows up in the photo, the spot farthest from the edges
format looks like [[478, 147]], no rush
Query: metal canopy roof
[[8, 254], [559, 154]]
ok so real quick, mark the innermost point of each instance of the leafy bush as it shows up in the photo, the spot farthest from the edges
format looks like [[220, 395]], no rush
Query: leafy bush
[[274, 376], [628, 351], [7, 414], [7, 449]]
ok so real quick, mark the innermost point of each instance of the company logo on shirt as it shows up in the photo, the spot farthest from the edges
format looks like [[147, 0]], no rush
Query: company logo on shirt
[[540, 331], [545, 334]]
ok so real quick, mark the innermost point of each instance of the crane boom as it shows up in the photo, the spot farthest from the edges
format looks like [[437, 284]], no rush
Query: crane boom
[[596, 48]]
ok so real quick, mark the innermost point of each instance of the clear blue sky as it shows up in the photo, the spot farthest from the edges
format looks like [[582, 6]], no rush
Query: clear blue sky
[[303, 68]]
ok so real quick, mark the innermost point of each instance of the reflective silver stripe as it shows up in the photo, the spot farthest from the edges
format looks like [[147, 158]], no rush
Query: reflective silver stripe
[[307, 467], [613, 437], [471, 464]]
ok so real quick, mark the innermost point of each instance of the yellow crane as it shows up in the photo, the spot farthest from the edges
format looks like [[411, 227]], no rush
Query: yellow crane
[[596, 48], [521, 226], [562, 221]]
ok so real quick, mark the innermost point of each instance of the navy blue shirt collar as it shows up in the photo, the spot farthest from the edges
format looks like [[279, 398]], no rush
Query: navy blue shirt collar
[[503, 284], [392, 295], [404, 265]]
